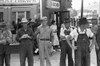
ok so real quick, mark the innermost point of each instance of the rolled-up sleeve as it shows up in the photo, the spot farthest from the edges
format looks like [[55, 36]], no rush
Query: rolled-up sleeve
[[62, 32], [90, 33]]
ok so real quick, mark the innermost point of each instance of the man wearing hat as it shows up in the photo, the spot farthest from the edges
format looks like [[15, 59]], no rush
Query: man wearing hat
[[25, 37], [65, 47], [5, 40], [44, 38], [82, 36]]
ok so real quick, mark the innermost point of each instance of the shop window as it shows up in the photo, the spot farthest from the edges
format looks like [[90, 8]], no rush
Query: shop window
[[14, 16], [21, 14], [1, 17], [28, 14]]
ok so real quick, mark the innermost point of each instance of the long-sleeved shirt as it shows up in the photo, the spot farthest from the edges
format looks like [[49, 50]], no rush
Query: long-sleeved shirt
[[21, 32]]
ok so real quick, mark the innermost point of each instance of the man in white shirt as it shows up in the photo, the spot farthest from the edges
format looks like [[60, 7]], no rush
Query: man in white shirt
[[65, 47], [82, 36]]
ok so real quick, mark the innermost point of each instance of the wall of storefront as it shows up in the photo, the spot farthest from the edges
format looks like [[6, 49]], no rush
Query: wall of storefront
[[12, 13], [49, 10]]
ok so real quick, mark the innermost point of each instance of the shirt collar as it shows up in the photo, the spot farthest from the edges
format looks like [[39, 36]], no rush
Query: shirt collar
[[81, 31]]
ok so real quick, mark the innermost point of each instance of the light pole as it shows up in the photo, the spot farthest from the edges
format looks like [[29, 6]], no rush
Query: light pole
[[41, 14], [81, 8]]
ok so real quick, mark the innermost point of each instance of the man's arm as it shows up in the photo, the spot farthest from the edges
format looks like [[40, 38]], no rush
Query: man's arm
[[68, 38], [18, 36]]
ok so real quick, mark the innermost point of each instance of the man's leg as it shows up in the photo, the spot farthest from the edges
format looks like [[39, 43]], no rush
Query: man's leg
[[30, 56], [98, 57], [1, 59], [63, 53], [7, 59], [22, 56], [78, 57], [41, 53], [47, 53], [87, 59], [70, 60]]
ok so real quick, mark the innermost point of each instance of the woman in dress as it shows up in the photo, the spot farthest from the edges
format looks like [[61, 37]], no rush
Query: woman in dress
[[55, 41]]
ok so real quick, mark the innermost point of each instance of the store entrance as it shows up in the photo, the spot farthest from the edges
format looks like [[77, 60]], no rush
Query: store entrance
[[20, 15], [60, 17]]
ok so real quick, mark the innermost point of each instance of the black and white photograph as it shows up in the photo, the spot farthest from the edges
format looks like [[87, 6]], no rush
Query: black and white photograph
[[49, 32]]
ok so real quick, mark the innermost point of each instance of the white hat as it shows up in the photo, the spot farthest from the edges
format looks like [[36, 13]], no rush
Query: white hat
[[43, 18], [24, 20]]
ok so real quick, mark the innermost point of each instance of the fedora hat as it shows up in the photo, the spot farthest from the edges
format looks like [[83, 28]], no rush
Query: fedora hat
[[67, 20], [44, 18], [24, 20]]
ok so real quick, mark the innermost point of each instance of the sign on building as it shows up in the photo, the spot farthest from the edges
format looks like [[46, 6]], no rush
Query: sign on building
[[19, 1], [53, 4]]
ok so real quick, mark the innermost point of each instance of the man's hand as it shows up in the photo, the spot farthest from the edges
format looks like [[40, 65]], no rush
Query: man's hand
[[62, 37], [74, 47]]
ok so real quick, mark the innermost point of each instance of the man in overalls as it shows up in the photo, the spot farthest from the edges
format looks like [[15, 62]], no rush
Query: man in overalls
[[5, 40], [82, 36], [65, 47], [25, 37], [44, 39]]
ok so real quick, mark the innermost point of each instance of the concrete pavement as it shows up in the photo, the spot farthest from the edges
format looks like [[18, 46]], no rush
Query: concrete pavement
[[54, 59]]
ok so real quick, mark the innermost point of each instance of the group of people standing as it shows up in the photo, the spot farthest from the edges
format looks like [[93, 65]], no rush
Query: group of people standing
[[83, 37]]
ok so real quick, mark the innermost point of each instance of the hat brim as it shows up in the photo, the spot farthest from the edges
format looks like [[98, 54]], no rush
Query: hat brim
[[24, 22]]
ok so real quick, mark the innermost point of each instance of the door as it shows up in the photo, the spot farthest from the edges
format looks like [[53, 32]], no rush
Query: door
[[60, 17], [20, 15]]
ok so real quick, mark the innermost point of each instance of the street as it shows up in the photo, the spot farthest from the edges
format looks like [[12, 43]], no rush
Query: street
[[54, 59]]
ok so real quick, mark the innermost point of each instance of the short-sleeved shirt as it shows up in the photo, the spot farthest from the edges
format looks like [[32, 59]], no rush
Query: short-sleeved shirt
[[74, 33], [45, 32]]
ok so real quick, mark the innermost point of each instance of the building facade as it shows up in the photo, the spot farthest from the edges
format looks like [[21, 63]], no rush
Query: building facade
[[11, 10]]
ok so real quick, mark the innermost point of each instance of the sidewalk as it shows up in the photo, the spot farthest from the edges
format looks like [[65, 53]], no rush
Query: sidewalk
[[54, 59]]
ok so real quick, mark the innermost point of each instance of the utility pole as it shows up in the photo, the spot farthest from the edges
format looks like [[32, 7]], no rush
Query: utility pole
[[41, 13], [82, 8]]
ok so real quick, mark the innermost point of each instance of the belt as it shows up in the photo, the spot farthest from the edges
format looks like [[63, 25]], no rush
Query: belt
[[45, 39]]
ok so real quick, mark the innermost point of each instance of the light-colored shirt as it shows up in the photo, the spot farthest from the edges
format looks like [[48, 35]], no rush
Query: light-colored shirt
[[63, 28], [45, 32], [74, 33]]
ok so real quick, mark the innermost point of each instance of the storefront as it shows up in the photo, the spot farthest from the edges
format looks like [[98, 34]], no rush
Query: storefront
[[50, 7], [11, 10]]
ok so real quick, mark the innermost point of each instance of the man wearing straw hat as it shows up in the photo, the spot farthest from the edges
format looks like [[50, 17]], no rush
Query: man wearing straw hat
[[45, 36], [25, 38], [5, 40]]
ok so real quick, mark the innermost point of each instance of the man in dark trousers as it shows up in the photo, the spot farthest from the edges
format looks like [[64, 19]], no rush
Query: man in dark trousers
[[25, 38], [82, 37], [65, 47], [5, 40], [97, 44]]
